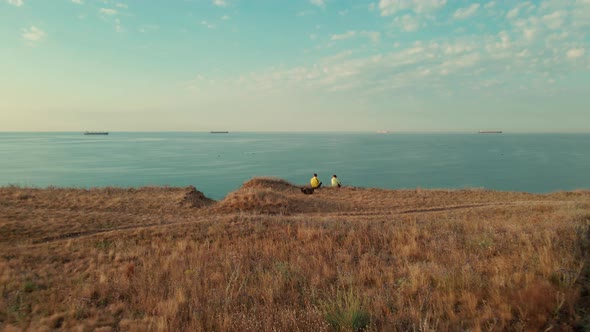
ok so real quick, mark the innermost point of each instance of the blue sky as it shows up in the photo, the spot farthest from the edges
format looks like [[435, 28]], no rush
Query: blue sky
[[299, 65]]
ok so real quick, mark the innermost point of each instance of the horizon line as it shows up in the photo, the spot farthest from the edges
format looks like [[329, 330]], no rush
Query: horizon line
[[388, 132]]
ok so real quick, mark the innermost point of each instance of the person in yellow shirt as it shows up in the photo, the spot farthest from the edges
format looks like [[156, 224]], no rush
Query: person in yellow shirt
[[336, 181], [315, 182]]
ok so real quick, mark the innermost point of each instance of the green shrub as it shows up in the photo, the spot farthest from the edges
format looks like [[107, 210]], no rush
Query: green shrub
[[346, 312]]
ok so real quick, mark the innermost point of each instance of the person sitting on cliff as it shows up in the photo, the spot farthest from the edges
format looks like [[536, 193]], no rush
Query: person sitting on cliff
[[315, 182], [336, 181]]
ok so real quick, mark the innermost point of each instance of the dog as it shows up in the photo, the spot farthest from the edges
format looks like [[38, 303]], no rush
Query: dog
[[307, 191]]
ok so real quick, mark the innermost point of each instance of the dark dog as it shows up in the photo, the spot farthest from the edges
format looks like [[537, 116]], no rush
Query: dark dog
[[307, 191]]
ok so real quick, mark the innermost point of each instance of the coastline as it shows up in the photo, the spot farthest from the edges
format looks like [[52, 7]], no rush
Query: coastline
[[394, 161], [165, 258]]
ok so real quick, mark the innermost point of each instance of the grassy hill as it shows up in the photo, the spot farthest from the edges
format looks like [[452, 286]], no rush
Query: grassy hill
[[268, 257]]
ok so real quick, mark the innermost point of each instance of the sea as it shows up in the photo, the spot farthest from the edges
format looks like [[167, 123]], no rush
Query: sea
[[218, 164]]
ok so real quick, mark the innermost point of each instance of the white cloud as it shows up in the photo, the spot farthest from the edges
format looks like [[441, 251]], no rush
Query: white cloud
[[523, 54], [555, 20], [458, 47], [148, 28], [468, 60], [33, 34], [79, 2], [346, 35], [118, 25], [338, 56], [520, 8], [225, 17], [220, 3], [390, 7], [529, 34], [108, 11], [512, 13], [434, 65], [408, 23], [121, 5], [575, 53], [374, 36], [17, 3], [319, 3], [462, 13], [526, 20], [525, 39], [504, 40], [112, 16], [581, 14], [208, 25]]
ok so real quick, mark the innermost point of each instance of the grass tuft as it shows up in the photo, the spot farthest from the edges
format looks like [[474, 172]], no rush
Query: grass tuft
[[346, 312]]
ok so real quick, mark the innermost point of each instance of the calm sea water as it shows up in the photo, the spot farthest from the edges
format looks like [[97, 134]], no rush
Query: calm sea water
[[219, 163]]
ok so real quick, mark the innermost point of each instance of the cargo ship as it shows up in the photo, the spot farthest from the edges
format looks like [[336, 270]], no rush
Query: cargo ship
[[220, 132], [490, 131], [96, 133]]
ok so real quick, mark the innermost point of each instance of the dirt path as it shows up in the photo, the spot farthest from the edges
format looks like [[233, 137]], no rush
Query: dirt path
[[452, 207], [191, 220]]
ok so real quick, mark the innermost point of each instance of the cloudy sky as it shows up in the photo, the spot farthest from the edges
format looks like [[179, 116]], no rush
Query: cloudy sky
[[295, 65]]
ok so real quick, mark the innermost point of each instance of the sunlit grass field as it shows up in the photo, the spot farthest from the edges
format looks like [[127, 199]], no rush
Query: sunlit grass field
[[268, 258]]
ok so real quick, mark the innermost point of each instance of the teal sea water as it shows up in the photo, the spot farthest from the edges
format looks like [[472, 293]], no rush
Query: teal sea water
[[219, 163]]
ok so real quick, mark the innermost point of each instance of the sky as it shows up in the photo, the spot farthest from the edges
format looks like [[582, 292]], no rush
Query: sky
[[295, 65]]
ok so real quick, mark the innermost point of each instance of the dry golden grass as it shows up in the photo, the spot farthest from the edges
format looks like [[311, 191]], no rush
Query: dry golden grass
[[268, 257]]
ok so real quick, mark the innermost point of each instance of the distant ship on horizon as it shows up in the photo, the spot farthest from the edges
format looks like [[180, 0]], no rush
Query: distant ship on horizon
[[220, 132], [490, 131], [383, 131], [96, 133]]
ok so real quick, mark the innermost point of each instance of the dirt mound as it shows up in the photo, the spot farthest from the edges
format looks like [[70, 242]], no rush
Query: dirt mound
[[265, 195], [258, 200], [277, 196], [270, 183], [195, 199]]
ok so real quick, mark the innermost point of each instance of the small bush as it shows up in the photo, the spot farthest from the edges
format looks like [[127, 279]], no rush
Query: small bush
[[346, 312], [29, 286]]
